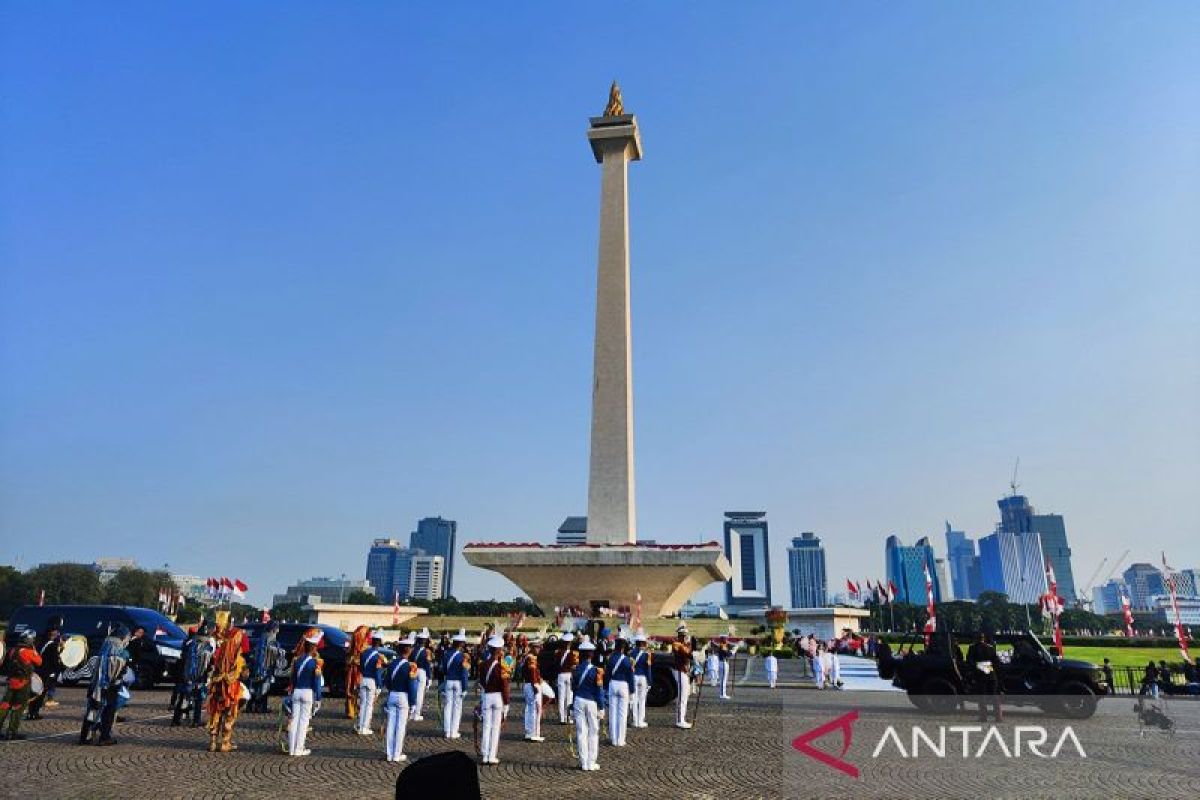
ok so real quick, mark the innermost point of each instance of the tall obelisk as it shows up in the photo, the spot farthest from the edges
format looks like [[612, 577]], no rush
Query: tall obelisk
[[612, 513]]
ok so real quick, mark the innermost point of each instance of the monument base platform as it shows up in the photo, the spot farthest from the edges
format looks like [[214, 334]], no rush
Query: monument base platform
[[614, 575]]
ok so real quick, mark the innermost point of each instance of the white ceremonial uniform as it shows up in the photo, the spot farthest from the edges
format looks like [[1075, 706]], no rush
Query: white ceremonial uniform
[[618, 706], [772, 665], [366, 704], [493, 710], [641, 687], [302, 707], [533, 708], [397, 717], [564, 688]]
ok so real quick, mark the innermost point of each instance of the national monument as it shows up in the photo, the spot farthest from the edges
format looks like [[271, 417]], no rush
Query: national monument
[[611, 569]]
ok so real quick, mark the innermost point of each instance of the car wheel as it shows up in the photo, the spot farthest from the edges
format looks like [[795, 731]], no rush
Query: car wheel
[[940, 696], [1076, 700], [661, 691]]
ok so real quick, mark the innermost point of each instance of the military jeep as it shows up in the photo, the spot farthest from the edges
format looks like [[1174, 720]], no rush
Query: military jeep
[[938, 679]]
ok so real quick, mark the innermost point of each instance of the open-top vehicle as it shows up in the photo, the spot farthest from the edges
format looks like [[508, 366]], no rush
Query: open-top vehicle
[[937, 677]]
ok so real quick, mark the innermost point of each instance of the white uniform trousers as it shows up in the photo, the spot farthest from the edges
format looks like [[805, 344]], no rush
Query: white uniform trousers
[[564, 696], [366, 704], [723, 673], [641, 687], [711, 668], [489, 738], [772, 672], [618, 712], [397, 724], [302, 706], [684, 686], [587, 731], [819, 672], [422, 684], [533, 711], [452, 702]]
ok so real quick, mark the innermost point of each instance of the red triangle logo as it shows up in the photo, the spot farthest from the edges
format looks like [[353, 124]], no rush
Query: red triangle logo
[[803, 743]]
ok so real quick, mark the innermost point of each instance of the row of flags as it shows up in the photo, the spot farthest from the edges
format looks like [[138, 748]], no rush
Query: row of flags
[[879, 592], [222, 589], [170, 600]]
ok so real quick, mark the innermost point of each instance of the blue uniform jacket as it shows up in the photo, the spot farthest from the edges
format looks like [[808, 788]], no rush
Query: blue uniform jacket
[[620, 668], [454, 668], [585, 682], [402, 677], [371, 664], [304, 675], [422, 659], [641, 663]]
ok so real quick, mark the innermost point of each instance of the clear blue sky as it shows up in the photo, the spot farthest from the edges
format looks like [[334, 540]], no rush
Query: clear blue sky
[[277, 280]]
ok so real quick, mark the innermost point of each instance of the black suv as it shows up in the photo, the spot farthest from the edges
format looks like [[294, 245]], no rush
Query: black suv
[[937, 678], [334, 647], [155, 658]]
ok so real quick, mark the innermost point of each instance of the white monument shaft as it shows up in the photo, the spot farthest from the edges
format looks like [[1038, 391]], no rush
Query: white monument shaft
[[612, 511]]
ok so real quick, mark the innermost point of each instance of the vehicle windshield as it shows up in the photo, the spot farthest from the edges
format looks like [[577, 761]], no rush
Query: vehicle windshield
[[153, 622]]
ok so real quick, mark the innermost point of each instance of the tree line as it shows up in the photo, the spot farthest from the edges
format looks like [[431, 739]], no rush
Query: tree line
[[79, 584]]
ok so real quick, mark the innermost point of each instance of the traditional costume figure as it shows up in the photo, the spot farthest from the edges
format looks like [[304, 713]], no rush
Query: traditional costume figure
[[620, 688], [725, 652], [49, 646], [456, 667], [495, 697], [360, 640], [19, 664], [587, 682], [643, 659], [193, 675], [712, 664], [567, 661], [105, 690], [422, 657], [307, 684], [772, 666], [402, 680], [532, 677], [370, 667], [264, 660], [225, 688], [681, 654]]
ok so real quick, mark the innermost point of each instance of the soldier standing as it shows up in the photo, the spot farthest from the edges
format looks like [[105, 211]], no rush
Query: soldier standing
[[568, 659], [620, 687], [456, 669], [422, 656], [642, 661], [681, 654], [494, 681], [588, 706], [982, 661], [532, 677]]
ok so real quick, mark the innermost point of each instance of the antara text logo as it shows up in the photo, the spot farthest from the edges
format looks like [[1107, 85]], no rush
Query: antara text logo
[[942, 741]]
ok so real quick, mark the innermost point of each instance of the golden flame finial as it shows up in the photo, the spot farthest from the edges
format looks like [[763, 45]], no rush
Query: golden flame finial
[[615, 107]]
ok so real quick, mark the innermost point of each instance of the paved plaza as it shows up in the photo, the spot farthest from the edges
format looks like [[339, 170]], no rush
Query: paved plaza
[[739, 749]]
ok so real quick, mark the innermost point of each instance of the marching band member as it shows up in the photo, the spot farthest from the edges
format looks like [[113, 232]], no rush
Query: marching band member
[[371, 670], [402, 678], [360, 640], [105, 688], [456, 666], [620, 687], [712, 664], [642, 661], [306, 691], [49, 646], [681, 652], [568, 659], [724, 653], [422, 657], [588, 705], [532, 677], [494, 682], [225, 686], [19, 665], [193, 675]]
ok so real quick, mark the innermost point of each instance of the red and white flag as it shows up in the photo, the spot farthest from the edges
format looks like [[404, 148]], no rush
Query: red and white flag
[[893, 592], [42, 597], [1052, 606], [853, 587], [239, 589], [1180, 633], [1127, 611], [396, 608], [931, 623]]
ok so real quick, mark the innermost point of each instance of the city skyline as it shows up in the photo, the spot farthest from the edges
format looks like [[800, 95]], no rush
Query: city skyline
[[252, 311]]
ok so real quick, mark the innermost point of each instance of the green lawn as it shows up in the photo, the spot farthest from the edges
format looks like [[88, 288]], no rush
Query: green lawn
[[1122, 656]]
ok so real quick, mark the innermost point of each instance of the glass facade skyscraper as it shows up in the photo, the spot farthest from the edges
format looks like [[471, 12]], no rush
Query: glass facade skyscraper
[[906, 569], [965, 576], [389, 566], [1013, 563], [1017, 516], [746, 549], [1144, 581], [806, 571], [435, 536]]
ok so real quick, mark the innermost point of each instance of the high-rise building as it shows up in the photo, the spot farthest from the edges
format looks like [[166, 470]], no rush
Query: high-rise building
[[572, 532], [965, 578], [806, 571], [746, 549], [389, 566], [1144, 582], [1018, 516], [1013, 563], [906, 569], [939, 566], [435, 536], [1185, 583], [425, 578], [1106, 599]]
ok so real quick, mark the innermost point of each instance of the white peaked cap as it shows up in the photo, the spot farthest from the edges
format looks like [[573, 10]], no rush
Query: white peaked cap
[[377, 635], [314, 638], [586, 644], [568, 637], [461, 636], [408, 640], [640, 636], [495, 641], [681, 629], [424, 634]]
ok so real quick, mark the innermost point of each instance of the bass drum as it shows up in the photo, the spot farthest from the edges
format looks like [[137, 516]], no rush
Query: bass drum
[[36, 687], [74, 652]]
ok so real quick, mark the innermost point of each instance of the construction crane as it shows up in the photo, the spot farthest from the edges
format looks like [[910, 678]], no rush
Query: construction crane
[[1085, 597], [1013, 483]]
